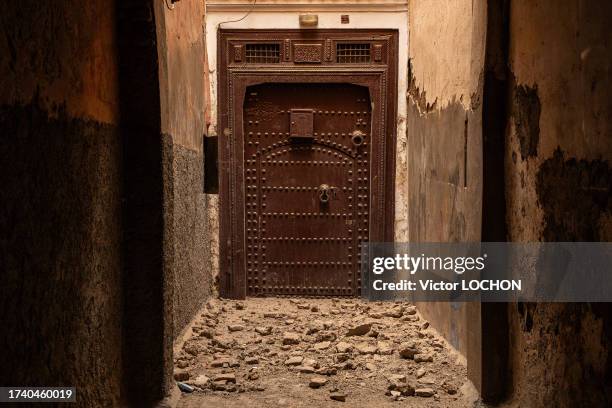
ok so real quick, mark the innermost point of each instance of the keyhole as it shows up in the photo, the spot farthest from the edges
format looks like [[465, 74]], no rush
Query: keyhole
[[324, 197]]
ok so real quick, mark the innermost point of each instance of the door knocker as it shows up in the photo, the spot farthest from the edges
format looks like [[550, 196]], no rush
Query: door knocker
[[326, 193], [357, 137]]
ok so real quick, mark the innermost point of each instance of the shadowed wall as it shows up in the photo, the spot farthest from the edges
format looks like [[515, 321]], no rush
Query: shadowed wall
[[558, 185], [60, 218]]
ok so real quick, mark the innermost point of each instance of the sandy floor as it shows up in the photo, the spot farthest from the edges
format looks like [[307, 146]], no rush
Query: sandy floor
[[304, 352]]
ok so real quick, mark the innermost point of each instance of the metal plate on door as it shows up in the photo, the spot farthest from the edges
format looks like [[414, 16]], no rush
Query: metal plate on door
[[301, 123]]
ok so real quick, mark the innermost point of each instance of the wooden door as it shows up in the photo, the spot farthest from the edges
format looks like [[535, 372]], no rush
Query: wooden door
[[307, 122], [307, 182]]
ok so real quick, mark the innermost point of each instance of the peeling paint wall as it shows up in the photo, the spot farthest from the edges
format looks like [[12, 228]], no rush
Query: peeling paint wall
[[60, 232], [183, 91], [444, 136], [558, 184]]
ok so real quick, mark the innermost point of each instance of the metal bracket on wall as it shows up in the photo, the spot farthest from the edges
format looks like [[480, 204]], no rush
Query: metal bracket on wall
[[211, 165]]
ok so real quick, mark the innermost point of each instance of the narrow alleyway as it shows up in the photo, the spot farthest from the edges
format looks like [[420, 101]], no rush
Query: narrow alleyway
[[156, 153], [305, 352]]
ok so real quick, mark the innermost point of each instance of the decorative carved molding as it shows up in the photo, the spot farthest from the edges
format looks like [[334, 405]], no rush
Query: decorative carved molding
[[328, 50], [287, 49], [378, 52], [320, 49], [237, 53], [307, 53]]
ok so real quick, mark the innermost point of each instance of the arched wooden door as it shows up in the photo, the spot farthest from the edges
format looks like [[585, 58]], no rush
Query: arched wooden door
[[307, 187]]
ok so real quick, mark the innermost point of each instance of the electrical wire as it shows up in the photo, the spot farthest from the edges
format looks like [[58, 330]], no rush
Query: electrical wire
[[241, 18]]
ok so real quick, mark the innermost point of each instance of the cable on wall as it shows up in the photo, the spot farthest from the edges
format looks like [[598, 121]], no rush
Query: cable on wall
[[241, 18]]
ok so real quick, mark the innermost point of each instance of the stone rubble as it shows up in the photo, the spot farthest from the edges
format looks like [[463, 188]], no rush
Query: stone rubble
[[424, 392], [291, 338], [258, 344], [316, 382], [338, 396]]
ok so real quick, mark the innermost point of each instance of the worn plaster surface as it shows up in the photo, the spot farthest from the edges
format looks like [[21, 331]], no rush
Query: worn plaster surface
[[183, 100], [558, 182], [444, 136]]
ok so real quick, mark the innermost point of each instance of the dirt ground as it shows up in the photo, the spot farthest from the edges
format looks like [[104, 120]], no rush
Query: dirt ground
[[318, 353]]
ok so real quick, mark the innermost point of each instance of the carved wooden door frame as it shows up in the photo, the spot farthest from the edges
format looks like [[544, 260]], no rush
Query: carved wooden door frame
[[234, 78]]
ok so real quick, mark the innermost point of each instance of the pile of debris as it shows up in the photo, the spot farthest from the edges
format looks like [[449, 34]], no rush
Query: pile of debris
[[339, 347]]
